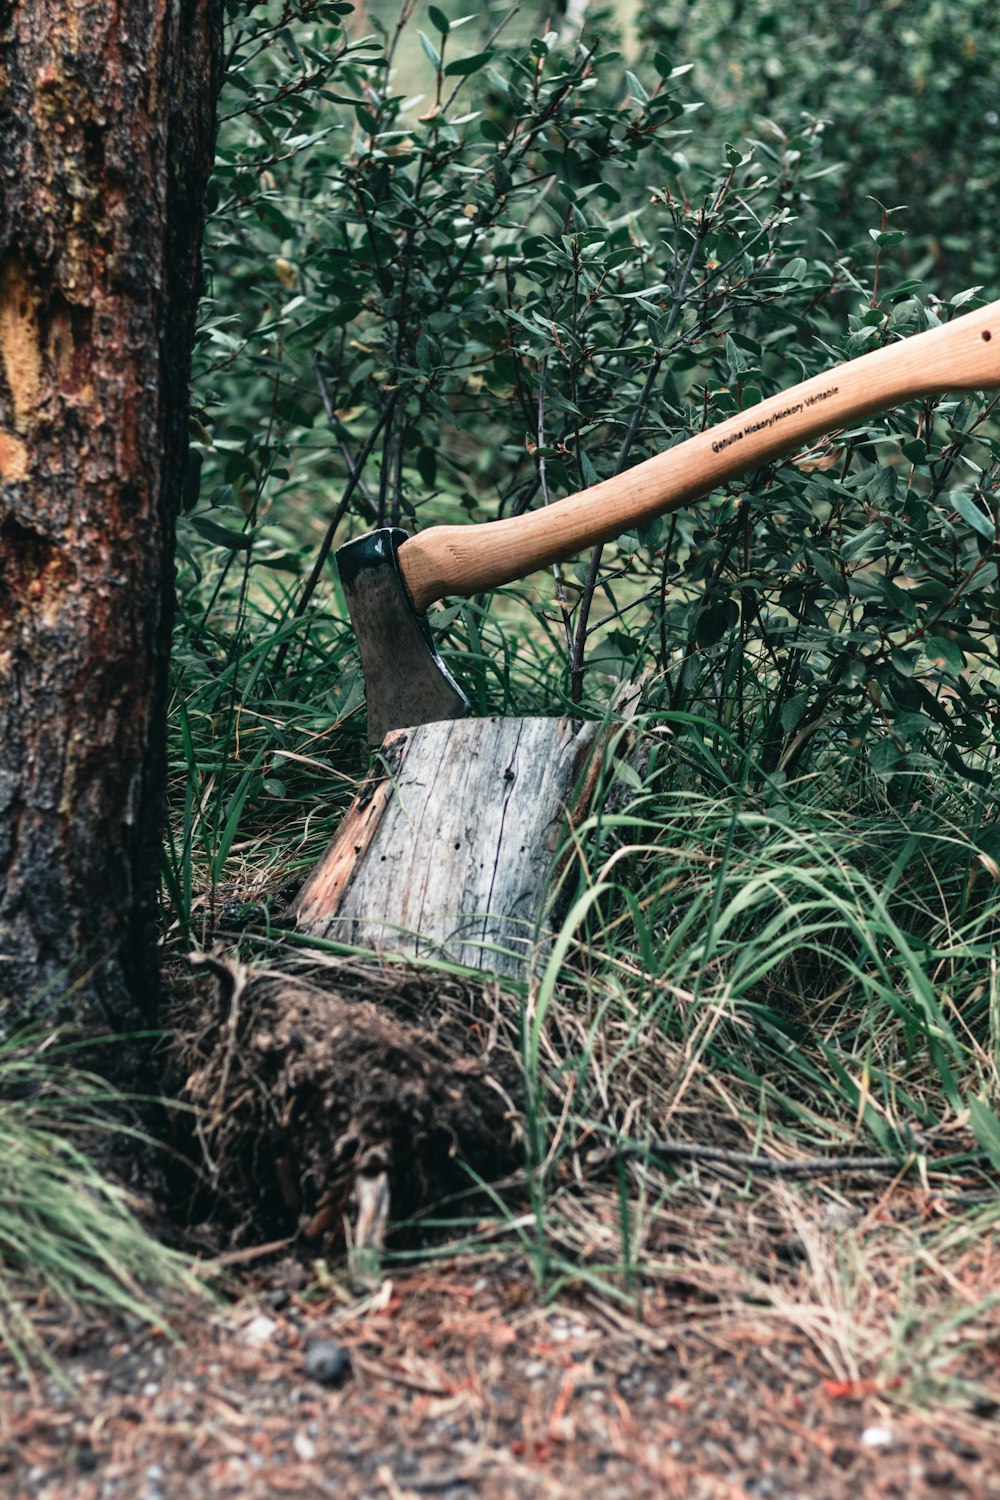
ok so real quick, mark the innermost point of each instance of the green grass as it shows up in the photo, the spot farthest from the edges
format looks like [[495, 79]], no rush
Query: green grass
[[70, 1234], [844, 953]]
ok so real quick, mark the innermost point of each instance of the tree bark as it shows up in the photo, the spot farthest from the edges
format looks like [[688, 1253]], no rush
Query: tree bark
[[107, 118]]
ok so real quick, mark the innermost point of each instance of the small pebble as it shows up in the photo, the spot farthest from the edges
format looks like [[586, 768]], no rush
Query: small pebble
[[304, 1447], [877, 1437], [258, 1332], [327, 1361]]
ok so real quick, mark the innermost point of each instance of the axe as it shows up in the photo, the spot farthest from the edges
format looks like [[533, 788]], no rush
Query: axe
[[390, 578]]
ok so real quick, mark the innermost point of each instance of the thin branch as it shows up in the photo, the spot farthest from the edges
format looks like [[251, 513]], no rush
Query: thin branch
[[809, 1166], [352, 484], [679, 300], [331, 416], [544, 483]]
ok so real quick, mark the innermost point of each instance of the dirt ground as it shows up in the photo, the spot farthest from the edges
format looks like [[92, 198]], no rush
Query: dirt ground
[[458, 1380]]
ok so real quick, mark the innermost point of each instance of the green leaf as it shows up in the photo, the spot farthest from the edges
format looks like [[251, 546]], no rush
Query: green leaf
[[938, 648], [463, 66], [736, 359], [635, 88], [880, 484], [428, 352], [975, 774], [501, 175], [427, 466], [825, 569], [650, 532], [629, 775], [235, 541], [430, 49], [590, 474], [865, 543], [191, 489], [438, 19], [977, 519], [715, 620], [886, 759], [792, 711], [888, 236]]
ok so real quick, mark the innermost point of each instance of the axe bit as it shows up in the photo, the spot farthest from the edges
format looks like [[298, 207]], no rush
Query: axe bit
[[390, 578]]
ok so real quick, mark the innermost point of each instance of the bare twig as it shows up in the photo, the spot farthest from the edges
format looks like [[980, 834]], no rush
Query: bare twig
[[544, 484], [809, 1166], [317, 569], [677, 307]]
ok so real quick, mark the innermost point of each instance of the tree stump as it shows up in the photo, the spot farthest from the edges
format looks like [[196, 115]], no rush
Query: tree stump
[[448, 848]]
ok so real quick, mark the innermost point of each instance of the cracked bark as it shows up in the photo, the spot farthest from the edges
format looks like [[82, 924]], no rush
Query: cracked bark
[[106, 141]]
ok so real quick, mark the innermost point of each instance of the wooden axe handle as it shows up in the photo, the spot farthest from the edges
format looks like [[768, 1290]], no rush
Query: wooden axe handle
[[963, 355]]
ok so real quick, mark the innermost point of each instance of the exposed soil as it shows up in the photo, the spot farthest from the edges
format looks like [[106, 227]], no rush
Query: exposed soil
[[458, 1381], [371, 1089]]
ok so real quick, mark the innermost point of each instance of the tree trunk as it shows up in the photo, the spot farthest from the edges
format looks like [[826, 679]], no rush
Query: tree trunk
[[106, 144]]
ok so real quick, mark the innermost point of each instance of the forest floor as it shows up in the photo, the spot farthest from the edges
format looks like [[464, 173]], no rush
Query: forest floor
[[670, 1327], [457, 1379]]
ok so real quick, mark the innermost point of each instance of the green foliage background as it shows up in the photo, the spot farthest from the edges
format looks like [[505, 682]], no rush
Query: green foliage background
[[559, 259]]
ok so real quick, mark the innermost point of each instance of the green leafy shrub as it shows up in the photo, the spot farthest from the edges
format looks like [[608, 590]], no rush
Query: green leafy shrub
[[907, 94], [545, 268], [457, 272]]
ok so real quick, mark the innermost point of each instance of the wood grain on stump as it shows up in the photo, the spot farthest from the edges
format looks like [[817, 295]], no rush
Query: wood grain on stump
[[448, 848]]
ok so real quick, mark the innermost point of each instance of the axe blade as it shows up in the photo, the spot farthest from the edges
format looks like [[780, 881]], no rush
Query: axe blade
[[406, 681]]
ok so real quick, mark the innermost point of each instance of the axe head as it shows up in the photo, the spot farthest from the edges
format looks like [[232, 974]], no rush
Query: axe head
[[406, 681]]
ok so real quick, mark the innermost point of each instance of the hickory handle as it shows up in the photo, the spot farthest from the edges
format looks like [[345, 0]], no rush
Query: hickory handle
[[963, 355]]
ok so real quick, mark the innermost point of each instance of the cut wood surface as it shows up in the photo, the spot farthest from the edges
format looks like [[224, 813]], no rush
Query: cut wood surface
[[448, 847]]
